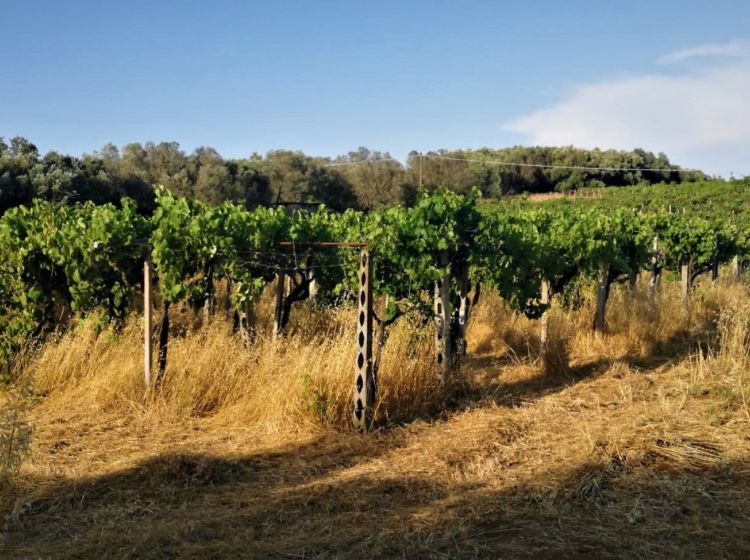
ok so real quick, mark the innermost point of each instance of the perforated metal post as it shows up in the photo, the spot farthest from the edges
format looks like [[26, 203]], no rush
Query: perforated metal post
[[364, 382], [442, 324]]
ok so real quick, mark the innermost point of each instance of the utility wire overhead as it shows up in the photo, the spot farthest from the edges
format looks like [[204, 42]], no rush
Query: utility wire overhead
[[520, 164]]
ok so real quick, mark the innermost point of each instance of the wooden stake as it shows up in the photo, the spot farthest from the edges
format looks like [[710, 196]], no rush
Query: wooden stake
[[685, 283], [544, 321], [736, 267], [364, 381], [147, 325]]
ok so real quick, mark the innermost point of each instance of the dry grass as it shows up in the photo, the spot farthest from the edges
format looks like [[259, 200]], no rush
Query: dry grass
[[15, 437], [630, 445], [299, 381]]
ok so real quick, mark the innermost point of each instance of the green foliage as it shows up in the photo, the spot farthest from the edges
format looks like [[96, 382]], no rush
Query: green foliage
[[60, 261], [194, 243], [57, 257], [408, 245], [696, 240]]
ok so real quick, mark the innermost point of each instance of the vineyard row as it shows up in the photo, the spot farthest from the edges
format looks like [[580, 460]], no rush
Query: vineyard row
[[64, 262]]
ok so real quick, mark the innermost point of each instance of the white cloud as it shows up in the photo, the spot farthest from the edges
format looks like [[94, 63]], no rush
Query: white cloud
[[699, 119], [733, 49]]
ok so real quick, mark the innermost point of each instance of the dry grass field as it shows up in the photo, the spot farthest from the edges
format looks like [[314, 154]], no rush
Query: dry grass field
[[631, 445]]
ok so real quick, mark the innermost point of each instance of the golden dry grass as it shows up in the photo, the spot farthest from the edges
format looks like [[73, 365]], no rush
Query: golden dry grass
[[632, 444]]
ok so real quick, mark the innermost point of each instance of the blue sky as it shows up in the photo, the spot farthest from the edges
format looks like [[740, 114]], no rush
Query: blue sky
[[326, 77]]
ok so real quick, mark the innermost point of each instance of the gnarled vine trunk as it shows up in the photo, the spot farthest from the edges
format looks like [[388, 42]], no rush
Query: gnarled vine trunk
[[163, 344], [632, 281], [245, 322], [602, 294], [685, 282], [653, 281], [288, 293]]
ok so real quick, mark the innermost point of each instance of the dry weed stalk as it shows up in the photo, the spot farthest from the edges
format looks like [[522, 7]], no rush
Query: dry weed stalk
[[15, 437]]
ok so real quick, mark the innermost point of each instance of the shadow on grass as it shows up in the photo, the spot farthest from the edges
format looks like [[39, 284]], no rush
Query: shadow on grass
[[328, 499], [495, 387]]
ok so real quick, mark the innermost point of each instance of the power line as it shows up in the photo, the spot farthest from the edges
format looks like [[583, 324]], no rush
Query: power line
[[551, 166], [523, 164], [344, 163]]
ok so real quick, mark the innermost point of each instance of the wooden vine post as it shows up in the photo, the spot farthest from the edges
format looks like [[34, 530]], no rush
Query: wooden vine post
[[442, 323], [685, 282], [736, 267], [245, 319], [147, 325], [544, 321], [364, 381], [148, 379]]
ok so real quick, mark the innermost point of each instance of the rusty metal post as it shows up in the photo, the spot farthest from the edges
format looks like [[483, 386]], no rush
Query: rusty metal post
[[364, 382]]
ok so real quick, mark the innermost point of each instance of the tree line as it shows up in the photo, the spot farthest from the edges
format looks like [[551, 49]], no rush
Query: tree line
[[361, 179]]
